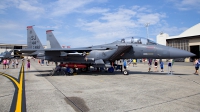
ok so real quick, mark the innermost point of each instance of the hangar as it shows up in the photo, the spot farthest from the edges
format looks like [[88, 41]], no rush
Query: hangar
[[8, 47], [189, 40]]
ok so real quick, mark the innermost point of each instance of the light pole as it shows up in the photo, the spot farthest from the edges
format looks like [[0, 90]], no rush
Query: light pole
[[147, 25]]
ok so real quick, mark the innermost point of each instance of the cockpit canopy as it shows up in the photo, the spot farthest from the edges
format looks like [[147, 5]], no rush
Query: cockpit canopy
[[136, 40]]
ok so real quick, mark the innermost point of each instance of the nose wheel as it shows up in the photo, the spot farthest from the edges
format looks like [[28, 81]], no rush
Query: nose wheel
[[125, 72]]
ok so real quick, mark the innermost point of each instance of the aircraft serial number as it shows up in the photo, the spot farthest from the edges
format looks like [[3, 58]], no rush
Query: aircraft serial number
[[33, 42], [36, 47]]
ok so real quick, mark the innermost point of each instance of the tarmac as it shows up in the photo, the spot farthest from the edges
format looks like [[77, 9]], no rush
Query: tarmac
[[140, 91]]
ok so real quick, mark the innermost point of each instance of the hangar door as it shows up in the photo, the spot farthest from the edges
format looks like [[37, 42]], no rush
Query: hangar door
[[15, 53], [195, 50]]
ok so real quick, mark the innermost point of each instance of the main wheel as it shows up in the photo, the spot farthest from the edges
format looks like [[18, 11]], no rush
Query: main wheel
[[111, 70], [71, 71], [83, 69]]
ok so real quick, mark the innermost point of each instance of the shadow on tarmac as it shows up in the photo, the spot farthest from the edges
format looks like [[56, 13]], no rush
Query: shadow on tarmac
[[32, 71], [95, 73]]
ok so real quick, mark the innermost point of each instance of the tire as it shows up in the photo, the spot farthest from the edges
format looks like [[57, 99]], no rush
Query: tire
[[111, 70], [125, 72], [63, 72], [71, 71], [52, 72], [83, 69]]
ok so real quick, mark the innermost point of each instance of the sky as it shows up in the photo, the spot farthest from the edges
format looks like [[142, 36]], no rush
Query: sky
[[80, 23]]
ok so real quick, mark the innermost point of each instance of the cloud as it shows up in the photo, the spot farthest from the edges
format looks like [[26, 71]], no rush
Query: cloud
[[96, 10], [121, 23], [10, 25], [4, 4], [49, 27], [110, 22], [30, 6], [190, 2], [166, 28], [187, 4], [153, 18], [63, 7], [12, 32]]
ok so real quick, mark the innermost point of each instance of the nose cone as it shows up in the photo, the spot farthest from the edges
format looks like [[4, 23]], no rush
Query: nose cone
[[178, 53]]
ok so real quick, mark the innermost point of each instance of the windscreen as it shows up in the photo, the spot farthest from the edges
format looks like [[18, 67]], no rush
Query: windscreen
[[136, 40]]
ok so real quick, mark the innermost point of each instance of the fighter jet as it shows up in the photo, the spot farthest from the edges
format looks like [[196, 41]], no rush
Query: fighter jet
[[6, 54], [105, 54]]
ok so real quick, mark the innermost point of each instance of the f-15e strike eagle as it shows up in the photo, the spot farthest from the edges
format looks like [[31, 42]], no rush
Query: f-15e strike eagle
[[99, 55]]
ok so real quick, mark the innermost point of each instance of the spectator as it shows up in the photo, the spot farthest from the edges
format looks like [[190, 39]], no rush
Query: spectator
[[4, 63], [8, 62], [28, 64], [156, 65], [16, 62], [149, 63], [134, 62], [196, 63], [125, 64], [130, 61], [47, 62], [42, 62], [13, 63], [161, 65], [39, 61], [144, 60], [170, 66]]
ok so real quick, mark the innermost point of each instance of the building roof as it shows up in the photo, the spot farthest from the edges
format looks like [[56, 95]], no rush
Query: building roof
[[3, 44], [193, 31]]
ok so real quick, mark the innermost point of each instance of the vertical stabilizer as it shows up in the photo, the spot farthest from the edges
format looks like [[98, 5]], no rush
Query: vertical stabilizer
[[33, 42], [52, 41]]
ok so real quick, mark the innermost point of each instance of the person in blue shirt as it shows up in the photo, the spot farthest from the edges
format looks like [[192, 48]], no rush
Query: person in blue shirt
[[196, 63], [161, 65], [125, 64]]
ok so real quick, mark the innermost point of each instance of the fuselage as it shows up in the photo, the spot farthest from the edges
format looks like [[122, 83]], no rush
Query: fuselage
[[122, 49]]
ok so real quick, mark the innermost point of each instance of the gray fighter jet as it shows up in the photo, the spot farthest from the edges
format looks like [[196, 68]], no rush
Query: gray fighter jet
[[105, 54], [6, 54]]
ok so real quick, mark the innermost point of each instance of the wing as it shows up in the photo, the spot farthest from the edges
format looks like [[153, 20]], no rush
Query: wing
[[68, 50], [72, 50]]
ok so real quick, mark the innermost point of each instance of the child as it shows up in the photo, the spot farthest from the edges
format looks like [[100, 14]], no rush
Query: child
[[196, 63], [16, 62], [8, 62], [28, 64], [156, 66], [4, 63], [13, 63]]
